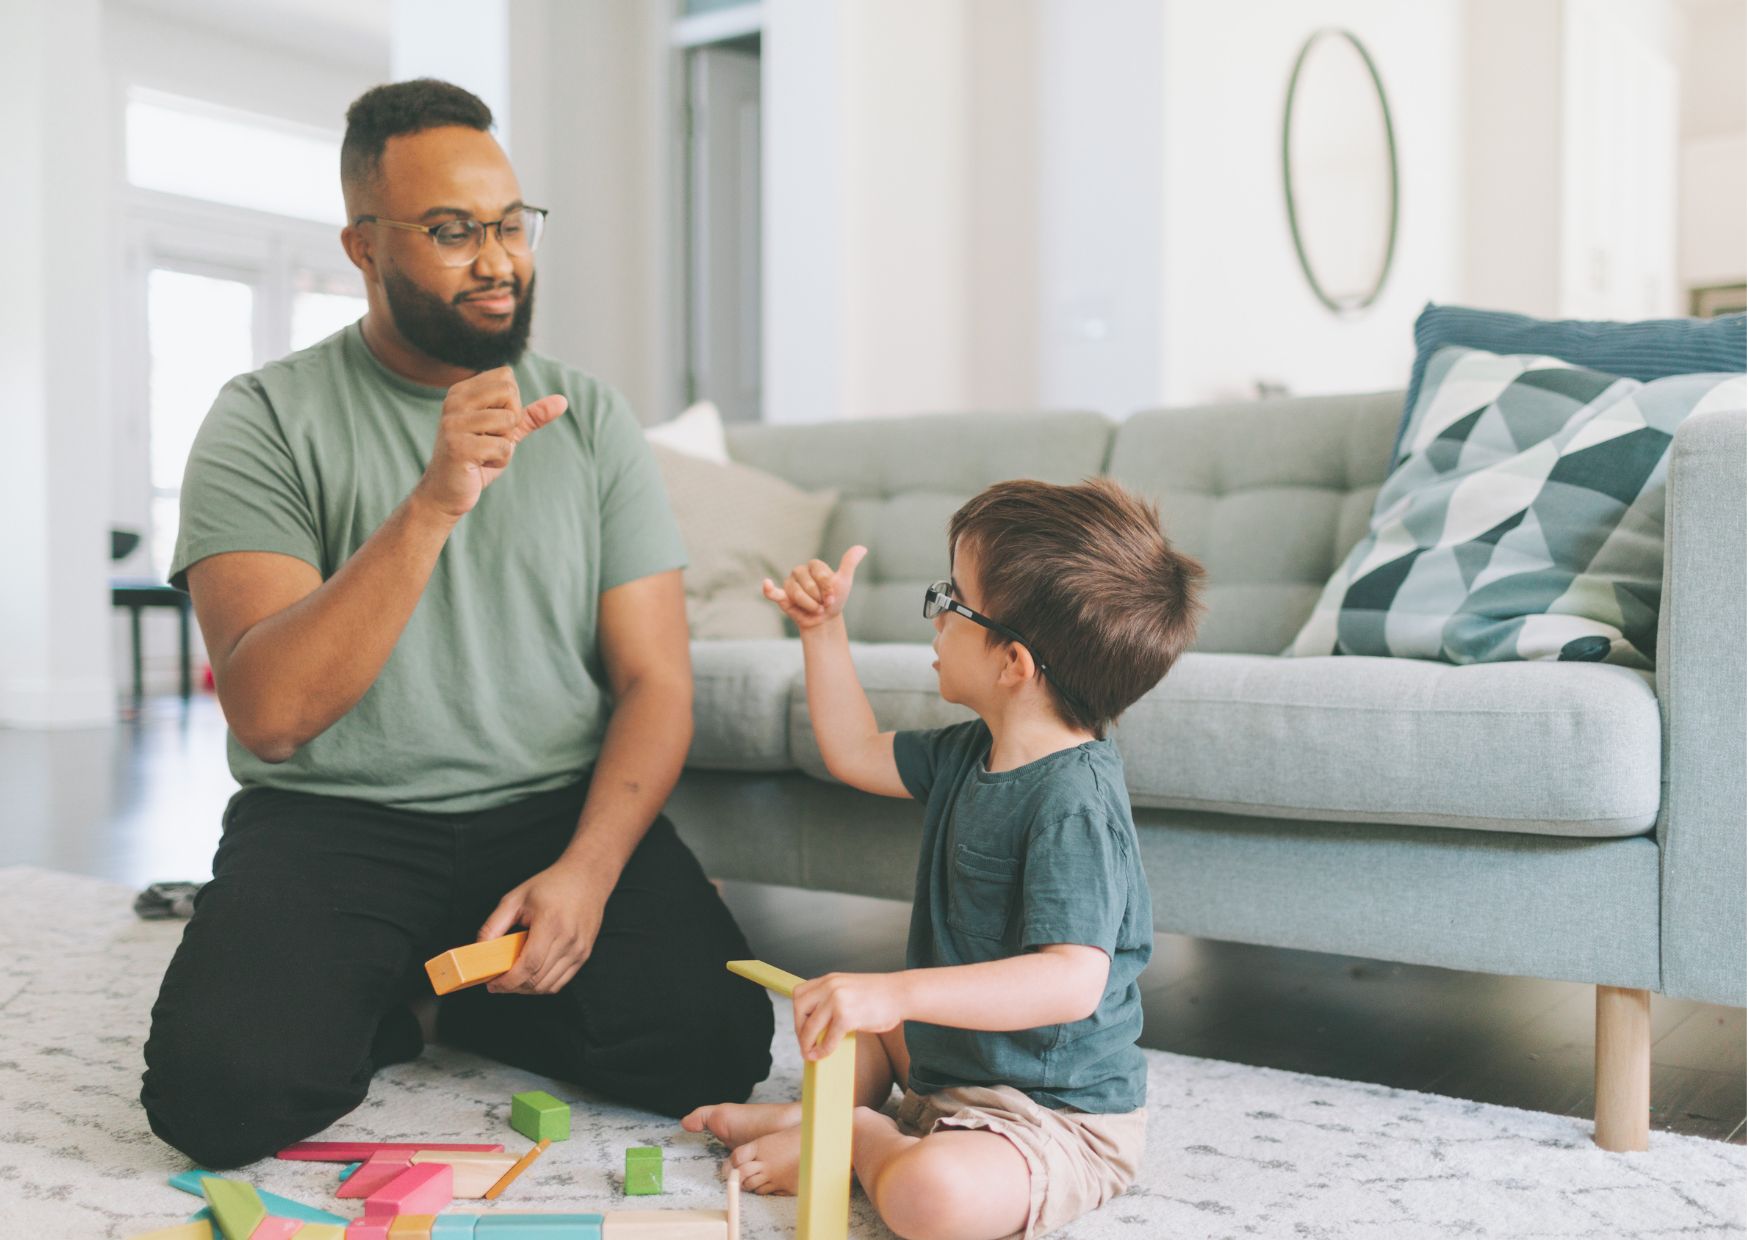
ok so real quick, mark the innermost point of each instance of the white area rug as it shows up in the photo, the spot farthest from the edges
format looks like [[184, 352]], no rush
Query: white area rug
[[1232, 1152]]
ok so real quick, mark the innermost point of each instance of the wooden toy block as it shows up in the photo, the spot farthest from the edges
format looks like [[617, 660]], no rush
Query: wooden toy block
[[828, 1096], [664, 1225], [538, 1227], [522, 1164], [411, 1227], [285, 1207], [733, 1210], [453, 1226], [474, 1173], [474, 963], [236, 1207], [643, 1171], [322, 1231], [539, 1116], [367, 1229], [375, 1173], [182, 1231], [347, 1171], [274, 1227], [767, 975], [424, 1189], [358, 1151]]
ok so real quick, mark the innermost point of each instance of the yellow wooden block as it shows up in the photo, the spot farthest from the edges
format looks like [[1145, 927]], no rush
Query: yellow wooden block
[[828, 1098], [322, 1231], [411, 1227], [475, 1172], [184, 1231], [767, 975], [469, 965], [664, 1225]]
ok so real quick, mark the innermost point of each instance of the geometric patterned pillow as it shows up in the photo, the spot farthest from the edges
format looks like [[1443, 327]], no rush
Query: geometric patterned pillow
[[1523, 518]]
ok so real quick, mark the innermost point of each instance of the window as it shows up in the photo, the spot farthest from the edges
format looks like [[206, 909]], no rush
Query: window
[[197, 150]]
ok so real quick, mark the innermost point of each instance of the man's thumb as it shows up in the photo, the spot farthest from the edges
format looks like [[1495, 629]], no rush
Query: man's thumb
[[502, 920], [546, 409], [847, 566]]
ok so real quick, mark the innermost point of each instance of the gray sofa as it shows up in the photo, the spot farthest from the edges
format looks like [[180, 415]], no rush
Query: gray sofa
[[1558, 820]]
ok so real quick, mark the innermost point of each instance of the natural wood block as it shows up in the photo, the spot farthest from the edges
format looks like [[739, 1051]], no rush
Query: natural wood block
[[358, 1151], [182, 1231], [474, 1173], [664, 1225]]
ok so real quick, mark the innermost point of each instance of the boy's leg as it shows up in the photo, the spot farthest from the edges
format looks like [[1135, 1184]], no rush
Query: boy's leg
[[954, 1184], [264, 1026], [653, 1018]]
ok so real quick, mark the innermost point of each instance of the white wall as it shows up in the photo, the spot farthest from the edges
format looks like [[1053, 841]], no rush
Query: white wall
[[54, 347], [1237, 308], [1714, 151]]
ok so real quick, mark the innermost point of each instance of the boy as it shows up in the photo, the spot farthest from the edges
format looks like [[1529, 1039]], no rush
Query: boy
[[1013, 1029]]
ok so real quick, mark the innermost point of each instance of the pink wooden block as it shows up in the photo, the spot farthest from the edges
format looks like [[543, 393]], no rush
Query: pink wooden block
[[368, 1229], [376, 1173], [358, 1151], [424, 1188], [273, 1228]]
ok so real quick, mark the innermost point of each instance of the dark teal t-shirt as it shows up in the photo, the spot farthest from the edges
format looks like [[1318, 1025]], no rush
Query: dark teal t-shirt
[[1042, 854]]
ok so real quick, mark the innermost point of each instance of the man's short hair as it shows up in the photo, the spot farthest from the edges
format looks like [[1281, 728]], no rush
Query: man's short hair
[[385, 112], [1085, 575]]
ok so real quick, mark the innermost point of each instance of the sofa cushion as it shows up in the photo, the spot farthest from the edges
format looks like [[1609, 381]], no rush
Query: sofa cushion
[[741, 704], [1523, 521], [1540, 748], [1269, 495], [900, 479]]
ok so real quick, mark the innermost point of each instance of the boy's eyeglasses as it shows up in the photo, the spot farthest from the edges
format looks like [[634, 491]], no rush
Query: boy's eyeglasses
[[939, 597]]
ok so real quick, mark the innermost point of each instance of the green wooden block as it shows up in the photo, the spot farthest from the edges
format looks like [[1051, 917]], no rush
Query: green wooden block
[[539, 1116], [643, 1171], [236, 1206]]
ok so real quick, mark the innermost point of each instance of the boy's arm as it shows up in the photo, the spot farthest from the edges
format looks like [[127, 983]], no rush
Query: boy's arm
[[851, 742], [1055, 985]]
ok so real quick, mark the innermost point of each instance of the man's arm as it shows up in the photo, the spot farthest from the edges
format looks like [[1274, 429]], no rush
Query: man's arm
[[645, 649], [291, 653]]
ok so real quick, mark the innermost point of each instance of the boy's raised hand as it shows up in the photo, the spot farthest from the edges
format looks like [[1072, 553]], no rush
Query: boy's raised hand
[[813, 593]]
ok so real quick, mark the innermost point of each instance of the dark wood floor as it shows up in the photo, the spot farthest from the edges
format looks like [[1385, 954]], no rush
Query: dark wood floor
[[142, 802]]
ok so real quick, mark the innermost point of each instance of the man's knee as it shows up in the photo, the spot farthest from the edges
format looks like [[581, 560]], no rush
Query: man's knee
[[714, 1048]]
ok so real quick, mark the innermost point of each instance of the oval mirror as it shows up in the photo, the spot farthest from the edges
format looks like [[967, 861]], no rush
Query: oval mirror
[[1338, 159]]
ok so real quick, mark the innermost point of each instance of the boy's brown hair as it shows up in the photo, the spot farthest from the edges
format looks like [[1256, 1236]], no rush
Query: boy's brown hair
[[1085, 575]]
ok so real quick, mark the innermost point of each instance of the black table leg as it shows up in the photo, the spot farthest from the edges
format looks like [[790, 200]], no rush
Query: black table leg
[[187, 675], [139, 671]]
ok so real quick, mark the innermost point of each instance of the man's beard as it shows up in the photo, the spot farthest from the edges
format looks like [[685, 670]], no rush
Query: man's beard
[[437, 329]]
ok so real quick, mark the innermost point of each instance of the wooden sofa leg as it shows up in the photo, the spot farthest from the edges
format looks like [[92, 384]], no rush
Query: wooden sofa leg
[[1623, 1069]]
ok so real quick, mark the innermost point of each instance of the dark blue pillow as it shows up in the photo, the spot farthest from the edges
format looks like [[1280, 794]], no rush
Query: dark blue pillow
[[1652, 349]]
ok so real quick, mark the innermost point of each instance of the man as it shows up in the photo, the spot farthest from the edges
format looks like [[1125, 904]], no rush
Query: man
[[440, 586]]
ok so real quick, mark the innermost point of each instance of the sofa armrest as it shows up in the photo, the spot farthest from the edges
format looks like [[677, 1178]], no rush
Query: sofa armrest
[[1700, 679]]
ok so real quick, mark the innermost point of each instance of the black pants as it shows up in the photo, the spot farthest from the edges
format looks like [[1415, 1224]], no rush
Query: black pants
[[289, 989]]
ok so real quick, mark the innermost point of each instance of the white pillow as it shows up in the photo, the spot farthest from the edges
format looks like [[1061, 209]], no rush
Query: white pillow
[[696, 432], [739, 525]]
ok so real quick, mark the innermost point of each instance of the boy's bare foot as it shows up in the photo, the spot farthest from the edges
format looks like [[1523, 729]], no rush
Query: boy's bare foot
[[736, 1123], [770, 1164]]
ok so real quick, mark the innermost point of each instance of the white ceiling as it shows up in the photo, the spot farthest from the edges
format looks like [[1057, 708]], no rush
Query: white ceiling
[[348, 31]]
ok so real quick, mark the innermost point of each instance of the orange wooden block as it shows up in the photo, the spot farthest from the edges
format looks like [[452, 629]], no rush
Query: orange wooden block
[[497, 1190], [461, 967], [411, 1227]]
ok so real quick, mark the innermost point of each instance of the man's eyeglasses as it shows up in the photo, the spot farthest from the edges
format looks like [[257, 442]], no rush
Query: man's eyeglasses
[[458, 242], [939, 597]]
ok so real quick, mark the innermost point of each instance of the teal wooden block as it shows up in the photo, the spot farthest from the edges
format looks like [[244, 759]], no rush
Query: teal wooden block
[[539, 1116], [643, 1171], [347, 1170], [284, 1207], [458, 1226], [538, 1227]]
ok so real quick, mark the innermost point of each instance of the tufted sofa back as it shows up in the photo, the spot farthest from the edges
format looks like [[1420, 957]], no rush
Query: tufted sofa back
[[899, 479], [1270, 495]]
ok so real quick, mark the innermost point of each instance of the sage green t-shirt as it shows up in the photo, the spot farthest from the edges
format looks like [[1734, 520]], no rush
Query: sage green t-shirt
[[495, 689]]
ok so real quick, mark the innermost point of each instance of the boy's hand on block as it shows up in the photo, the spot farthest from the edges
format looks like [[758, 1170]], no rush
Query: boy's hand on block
[[829, 1007], [461, 967], [812, 593]]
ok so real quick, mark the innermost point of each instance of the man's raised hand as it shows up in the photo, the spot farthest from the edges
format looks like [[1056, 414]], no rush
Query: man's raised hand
[[813, 593], [483, 420]]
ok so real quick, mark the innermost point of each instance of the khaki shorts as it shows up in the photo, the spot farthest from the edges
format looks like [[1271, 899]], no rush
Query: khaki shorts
[[1078, 1160]]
